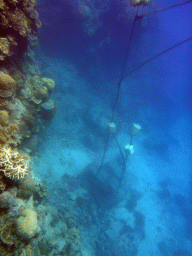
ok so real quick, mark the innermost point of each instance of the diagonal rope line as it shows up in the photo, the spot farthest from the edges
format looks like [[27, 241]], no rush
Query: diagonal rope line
[[118, 91], [123, 67], [166, 8], [157, 55]]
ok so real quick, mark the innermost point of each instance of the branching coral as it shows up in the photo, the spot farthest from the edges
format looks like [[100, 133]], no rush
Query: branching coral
[[13, 164]]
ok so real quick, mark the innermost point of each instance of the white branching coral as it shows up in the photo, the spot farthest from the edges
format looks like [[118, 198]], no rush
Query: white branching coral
[[13, 164]]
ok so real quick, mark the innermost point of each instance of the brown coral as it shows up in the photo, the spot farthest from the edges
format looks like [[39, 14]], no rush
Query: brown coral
[[29, 5], [2, 183], [6, 105], [3, 138], [27, 187], [49, 83], [27, 251], [11, 130], [13, 164], [7, 83], [4, 48], [42, 93], [5, 94], [17, 19], [8, 133], [7, 200], [4, 118], [7, 45], [6, 234]]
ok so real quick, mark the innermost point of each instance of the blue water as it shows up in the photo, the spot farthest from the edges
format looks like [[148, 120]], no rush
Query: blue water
[[82, 47]]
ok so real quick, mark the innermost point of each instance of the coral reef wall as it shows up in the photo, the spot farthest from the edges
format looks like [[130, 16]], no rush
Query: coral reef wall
[[22, 89], [25, 109], [18, 20]]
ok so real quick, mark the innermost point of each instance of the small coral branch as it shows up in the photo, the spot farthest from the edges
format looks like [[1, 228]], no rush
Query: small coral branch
[[13, 164]]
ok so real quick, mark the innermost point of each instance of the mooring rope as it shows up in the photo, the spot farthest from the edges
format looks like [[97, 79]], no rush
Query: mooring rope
[[157, 55], [118, 90], [164, 9], [122, 77]]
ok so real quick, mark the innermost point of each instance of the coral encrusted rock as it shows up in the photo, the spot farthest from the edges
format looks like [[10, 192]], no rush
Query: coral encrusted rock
[[27, 187], [27, 224], [7, 200]]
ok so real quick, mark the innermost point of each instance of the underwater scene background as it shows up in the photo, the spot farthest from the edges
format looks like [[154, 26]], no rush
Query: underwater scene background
[[95, 127]]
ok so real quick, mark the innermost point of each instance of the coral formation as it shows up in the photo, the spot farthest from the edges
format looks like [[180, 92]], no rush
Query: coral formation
[[48, 105], [48, 109], [27, 251], [5, 94], [4, 118], [13, 164], [7, 45], [7, 200], [49, 83], [27, 187], [2, 183], [4, 47], [27, 224], [9, 241], [73, 241], [3, 138], [22, 90], [37, 88], [7, 83], [42, 93], [41, 191], [17, 19], [8, 134], [6, 234]]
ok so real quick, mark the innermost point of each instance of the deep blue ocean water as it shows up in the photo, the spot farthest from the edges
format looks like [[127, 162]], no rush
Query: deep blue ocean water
[[82, 46]]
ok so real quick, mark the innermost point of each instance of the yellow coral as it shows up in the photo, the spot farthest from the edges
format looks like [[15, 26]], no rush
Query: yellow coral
[[11, 130], [27, 224], [42, 93], [13, 164], [27, 251], [8, 132], [1, 4], [49, 83], [6, 234], [2, 183], [6, 105], [4, 118], [4, 45], [29, 5], [7, 83], [3, 138]]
